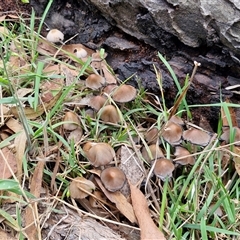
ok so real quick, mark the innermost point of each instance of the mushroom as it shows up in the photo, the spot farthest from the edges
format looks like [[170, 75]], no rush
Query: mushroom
[[124, 93], [154, 150], [163, 168], [95, 81], [172, 133], [99, 154], [113, 178], [97, 102], [226, 135], [109, 113], [55, 36], [80, 52], [72, 121], [197, 137], [80, 188], [184, 155], [176, 120], [110, 88], [151, 135]]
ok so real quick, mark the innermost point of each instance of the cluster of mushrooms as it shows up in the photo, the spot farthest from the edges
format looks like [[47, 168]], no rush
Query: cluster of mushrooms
[[104, 103]]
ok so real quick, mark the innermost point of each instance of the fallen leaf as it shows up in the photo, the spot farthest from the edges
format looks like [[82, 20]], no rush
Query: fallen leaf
[[120, 200], [6, 236], [31, 212], [31, 114], [130, 164], [8, 156], [20, 146], [148, 228]]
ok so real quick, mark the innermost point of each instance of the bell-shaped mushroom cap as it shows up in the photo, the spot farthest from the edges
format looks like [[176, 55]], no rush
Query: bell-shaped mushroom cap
[[80, 52], [80, 187], [184, 155], [172, 133], [97, 102], [95, 81], [113, 178], [98, 154], [55, 36], [163, 168], [109, 113], [197, 137], [155, 152], [110, 88], [124, 93], [176, 120], [226, 135], [151, 135], [73, 120]]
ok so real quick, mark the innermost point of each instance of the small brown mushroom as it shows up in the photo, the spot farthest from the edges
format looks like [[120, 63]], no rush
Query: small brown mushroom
[[95, 81], [151, 135], [163, 168], [172, 133], [97, 102], [109, 113], [99, 154], [184, 155], [124, 93], [80, 187], [55, 36], [113, 178], [176, 120], [226, 135], [72, 121], [155, 152], [197, 137]]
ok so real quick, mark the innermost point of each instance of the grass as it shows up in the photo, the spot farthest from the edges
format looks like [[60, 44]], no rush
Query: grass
[[185, 206]]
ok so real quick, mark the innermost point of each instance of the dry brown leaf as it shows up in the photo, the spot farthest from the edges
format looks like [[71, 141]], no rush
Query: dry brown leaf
[[14, 125], [131, 166], [120, 200], [20, 145], [148, 228], [11, 159], [31, 213], [110, 79], [31, 114], [6, 236]]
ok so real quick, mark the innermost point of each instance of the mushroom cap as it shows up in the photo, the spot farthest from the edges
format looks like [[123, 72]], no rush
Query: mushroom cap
[[109, 113], [80, 186], [151, 135], [197, 137], [163, 168], [177, 120], [226, 135], [99, 154], [172, 133], [95, 81], [80, 52], [155, 151], [124, 93], [97, 102], [55, 36], [73, 120], [185, 154], [113, 178]]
